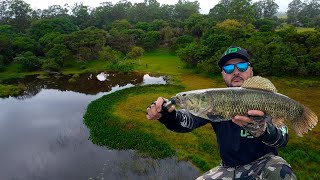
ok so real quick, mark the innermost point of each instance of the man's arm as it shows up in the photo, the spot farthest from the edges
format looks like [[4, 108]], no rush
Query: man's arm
[[182, 121], [262, 128], [178, 121], [274, 136]]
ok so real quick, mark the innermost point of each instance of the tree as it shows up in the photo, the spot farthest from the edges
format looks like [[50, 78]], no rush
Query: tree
[[28, 61], [24, 43], [120, 40], [81, 16], [197, 24], [151, 40], [86, 44], [193, 54], [241, 10], [18, 14], [55, 11], [183, 9], [120, 25], [270, 8], [42, 27], [135, 53], [233, 28], [294, 9], [220, 11]]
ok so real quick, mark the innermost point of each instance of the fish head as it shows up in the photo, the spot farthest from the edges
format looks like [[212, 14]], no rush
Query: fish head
[[195, 101]]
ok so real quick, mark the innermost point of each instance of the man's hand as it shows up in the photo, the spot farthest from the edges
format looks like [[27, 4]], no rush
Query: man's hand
[[255, 122], [153, 111]]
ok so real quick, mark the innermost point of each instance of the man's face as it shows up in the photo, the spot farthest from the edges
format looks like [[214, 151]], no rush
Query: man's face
[[236, 78]]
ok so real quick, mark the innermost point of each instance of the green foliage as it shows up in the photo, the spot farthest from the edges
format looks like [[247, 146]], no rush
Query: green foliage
[[42, 27], [151, 40], [120, 40], [28, 61], [122, 66], [135, 53], [182, 42], [233, 28], [10, 90], [51, 65], [86, 44], [192, 54], [217, 41], [108, 54], [241, 10], [60, 53], [120, 25], [265, 25], [6, 49], [185, 8], [2, 65], [25, 43]]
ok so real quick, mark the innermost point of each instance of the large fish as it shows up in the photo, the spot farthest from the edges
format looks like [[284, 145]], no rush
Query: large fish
[[222, 104]]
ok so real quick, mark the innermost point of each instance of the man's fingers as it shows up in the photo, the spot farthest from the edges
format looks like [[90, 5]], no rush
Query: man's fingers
[[159, 103], [255, 113], [241, 120], [153, 110]]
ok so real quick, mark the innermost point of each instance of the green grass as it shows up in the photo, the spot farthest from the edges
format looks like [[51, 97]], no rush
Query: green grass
[[10, 90], [162, 63], [108, 129], [303, 29]]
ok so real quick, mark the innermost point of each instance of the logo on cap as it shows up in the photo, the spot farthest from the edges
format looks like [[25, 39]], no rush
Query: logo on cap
[[232, 50]]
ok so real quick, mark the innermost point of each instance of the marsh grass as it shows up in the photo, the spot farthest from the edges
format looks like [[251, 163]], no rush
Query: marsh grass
[[10, 90]]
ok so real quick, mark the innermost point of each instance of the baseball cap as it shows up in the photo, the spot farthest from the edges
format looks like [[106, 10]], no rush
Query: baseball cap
[[234, 52]]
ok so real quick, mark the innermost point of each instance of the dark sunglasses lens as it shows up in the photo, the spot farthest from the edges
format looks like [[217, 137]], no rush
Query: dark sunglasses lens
[[242, 66], [228, 68]]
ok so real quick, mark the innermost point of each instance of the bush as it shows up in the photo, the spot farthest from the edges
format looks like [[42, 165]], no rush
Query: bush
[[117, 65], [108, 54], [28, 61], [50, 65]]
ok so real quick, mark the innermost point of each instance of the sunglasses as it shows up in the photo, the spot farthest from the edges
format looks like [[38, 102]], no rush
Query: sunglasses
[[241, 66]]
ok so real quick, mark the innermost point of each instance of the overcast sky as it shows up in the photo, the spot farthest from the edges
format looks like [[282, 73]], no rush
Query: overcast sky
[[205, 5]]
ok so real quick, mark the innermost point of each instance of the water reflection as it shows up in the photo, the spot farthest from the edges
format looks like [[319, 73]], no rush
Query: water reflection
[[102, 76], [88, 83], [43, 136]]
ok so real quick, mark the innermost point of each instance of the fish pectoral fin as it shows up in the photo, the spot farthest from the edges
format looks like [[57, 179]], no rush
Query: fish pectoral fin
[[258, 82]]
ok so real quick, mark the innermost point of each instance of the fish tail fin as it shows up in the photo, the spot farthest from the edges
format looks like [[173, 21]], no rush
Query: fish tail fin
[[307, 121]]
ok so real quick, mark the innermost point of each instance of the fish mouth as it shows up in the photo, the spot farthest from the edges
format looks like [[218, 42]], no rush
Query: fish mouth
[[181, 100]]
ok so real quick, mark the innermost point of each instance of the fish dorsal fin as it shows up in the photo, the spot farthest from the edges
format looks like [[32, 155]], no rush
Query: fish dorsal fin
[[258, 82]]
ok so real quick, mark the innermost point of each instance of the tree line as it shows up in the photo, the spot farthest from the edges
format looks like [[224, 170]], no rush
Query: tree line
[[49, 39]]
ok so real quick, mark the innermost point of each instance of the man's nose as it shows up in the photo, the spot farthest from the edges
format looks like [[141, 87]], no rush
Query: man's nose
[[236, 71]]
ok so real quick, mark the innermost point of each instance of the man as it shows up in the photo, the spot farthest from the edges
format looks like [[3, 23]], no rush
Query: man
[[247, 146]]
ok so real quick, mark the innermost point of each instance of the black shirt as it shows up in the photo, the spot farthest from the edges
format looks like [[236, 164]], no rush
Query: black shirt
[[236, 145]]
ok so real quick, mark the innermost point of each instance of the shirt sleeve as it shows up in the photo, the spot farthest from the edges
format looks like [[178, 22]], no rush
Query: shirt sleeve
[[182, 121], [275, 136]]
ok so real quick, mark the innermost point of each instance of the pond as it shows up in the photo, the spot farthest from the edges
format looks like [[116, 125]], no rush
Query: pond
[[42, 135]]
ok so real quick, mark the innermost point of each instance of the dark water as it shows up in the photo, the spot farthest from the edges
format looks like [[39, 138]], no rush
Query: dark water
[[42, 135]]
